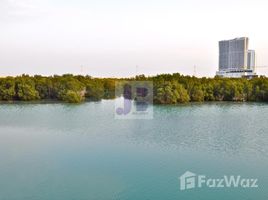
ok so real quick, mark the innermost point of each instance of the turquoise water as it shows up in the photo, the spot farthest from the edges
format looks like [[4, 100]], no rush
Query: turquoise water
[[80, 152]]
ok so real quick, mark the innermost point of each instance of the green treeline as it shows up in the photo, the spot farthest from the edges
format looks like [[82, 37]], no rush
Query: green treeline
[[68, 88], [168, 88], [175, 88]]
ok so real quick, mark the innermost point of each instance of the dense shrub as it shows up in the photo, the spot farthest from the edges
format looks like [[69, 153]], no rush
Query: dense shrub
[[168, 88]]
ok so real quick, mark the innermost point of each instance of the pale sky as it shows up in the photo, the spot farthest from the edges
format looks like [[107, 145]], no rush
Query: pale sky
[[111, 37]]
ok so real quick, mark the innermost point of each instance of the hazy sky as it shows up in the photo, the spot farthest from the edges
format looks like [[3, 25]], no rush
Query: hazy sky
[[111, 37]]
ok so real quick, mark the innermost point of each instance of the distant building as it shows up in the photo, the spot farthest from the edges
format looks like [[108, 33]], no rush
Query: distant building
[[235, 60], [251, 59]]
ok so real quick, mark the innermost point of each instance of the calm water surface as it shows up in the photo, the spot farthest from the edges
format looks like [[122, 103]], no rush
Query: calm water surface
[[80, 152]]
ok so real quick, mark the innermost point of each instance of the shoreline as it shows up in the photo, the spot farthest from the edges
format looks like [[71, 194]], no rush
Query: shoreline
[[161, 89], [36, 102]]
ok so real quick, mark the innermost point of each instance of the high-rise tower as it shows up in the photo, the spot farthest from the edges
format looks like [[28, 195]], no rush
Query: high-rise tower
[[235, 60]]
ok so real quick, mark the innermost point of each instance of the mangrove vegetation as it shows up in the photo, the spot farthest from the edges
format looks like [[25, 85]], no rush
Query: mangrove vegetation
[[167, 88]]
